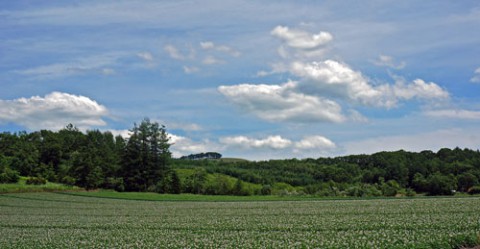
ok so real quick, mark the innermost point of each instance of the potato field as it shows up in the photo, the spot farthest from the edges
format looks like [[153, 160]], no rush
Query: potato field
[[55, 220]]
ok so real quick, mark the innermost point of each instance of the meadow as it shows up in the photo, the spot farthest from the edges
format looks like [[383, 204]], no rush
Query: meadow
[[56, 220]]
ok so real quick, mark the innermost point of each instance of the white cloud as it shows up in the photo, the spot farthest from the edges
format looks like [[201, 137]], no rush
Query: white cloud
[[315, 142], [145, 56], [210, 60], [182, 126], [53, 111], [182, 146], [271, 142], [357, 117], [332, 78], [419, 89], [208, 45], [123, 133], [304, 43], [282, 103], [323, 86], [97, 64], [337, 79], [454, 114], [306, 147], [476, 76], [388, 61], [173, 52]]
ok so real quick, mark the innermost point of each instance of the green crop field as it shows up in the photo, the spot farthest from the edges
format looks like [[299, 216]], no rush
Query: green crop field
[[55, 220]]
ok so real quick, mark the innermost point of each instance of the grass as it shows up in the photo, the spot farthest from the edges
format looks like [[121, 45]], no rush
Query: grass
[[54, 220], [22, 187], [232, 160], [149, 196]]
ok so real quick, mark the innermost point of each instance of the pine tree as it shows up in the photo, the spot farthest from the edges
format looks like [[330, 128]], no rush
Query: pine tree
[[146, 156]]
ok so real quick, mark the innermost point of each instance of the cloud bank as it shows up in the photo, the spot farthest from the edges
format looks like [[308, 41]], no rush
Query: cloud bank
[[322, 87], [53, 111]]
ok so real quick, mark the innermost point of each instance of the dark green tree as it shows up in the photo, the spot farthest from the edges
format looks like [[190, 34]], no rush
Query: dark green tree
[[146, 156]]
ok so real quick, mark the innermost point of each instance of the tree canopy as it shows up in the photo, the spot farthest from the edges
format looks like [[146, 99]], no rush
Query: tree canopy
[[143, 162]]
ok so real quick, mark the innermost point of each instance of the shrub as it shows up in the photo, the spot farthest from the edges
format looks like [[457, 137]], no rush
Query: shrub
[[9, 176], [68, 180], [115, 183], [410, 192], [439, 184], [36, 181], [266, 190]]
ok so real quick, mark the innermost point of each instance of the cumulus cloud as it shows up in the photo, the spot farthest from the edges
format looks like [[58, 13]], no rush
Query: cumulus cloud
[[304, 146], [337, 79], [322, 86], [419, 89], [271, 142], [304, 43], [53, 111], [282, 103], [315, 142], [388, 61], [476, 76], [182, 146]]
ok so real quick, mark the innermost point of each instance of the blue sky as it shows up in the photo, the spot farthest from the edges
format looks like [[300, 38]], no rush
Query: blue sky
[[251, 79]]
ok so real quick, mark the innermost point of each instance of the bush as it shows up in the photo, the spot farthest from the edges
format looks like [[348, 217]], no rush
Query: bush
[[474, 190], [115, 183], [439, 184], [68, 180], [390, 188], [36, 181], [9, 176], [266, 190], [410, 192]]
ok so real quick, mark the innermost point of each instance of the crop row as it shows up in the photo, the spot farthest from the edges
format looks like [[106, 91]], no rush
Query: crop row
[[48, 220]]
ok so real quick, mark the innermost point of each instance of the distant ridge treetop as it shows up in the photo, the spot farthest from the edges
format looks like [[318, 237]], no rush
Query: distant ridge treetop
[[199, 156]]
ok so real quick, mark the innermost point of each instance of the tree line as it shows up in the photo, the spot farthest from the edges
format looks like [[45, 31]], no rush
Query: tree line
[[143, 162], [93, 159]]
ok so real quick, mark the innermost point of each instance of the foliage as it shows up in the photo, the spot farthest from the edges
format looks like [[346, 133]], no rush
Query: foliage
[[143, 162], [146, 156], [208, 155], [9, 176], [36, 181], [22, 186]]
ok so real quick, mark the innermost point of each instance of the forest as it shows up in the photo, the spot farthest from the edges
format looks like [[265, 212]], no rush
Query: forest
[[143, 163]]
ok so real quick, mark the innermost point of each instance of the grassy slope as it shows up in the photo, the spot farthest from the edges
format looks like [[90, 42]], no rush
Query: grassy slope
[[185, 173], [22, 186]]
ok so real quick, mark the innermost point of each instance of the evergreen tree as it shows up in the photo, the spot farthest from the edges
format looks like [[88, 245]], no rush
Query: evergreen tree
[[146, 156]]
